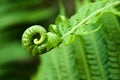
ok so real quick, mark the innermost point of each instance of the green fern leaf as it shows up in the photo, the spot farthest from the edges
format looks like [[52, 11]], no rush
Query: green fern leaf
[[58, 64], [80, 59], [87, 14], [94, 56], [111, 33]]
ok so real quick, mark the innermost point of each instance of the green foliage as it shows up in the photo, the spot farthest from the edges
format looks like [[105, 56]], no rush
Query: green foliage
[[82, 20], [111, 33], [93, 53], [85, 46], [58, 64]]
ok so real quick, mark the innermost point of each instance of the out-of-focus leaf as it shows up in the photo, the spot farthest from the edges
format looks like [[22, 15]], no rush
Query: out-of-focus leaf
[[12, 51], [19, 69], [17, 5], [25, 16]]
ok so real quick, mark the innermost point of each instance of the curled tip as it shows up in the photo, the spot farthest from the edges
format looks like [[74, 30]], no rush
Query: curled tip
[[42, 35], [37, 41], [33, 38]]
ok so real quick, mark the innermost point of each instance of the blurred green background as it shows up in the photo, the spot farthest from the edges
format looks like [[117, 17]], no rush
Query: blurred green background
[[15, 17]]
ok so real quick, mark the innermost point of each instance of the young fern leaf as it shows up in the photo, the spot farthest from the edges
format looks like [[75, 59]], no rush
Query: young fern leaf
[[37, 41], [94, 53], [59, 64], [80, 59], [44, 71], [60, 23], [87, 14], [96, 56], [67, 63], [91, 52]]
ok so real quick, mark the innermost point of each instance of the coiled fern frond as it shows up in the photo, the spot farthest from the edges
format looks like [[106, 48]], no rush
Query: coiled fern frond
[[90, 55], [63, 28], [37, 41]]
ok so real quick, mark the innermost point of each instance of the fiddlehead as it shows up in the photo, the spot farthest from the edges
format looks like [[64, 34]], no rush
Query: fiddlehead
[[36, 40]]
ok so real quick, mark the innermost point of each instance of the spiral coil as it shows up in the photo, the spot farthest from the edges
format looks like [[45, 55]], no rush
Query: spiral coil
[[37, 40]]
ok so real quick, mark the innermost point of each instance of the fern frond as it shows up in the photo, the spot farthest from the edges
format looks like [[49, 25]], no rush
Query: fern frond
[[80, 59], [44, 71], [58, 64], [111, 33], [67, 64], [96, 55], [87, 14]]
